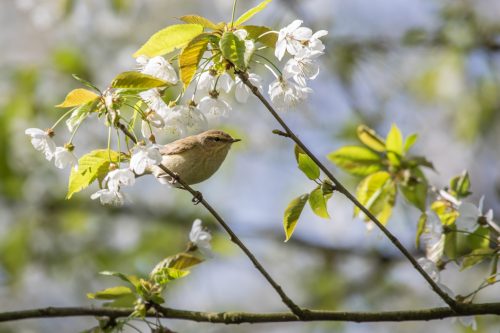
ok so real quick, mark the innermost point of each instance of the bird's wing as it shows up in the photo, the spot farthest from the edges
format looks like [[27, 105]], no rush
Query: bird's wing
[[178, 148]]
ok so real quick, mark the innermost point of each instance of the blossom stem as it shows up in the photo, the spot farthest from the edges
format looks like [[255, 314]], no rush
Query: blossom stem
[[62, 117], [296, 310], [342, 189], [269, 61]]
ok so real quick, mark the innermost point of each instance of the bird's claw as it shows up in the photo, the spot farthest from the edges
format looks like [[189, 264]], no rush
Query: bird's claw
[[197, 198], [174, 178]]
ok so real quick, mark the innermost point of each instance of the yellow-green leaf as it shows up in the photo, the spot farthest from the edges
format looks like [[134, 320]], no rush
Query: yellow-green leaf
[[251, 12], [394, 141], [460, 185], [111, 293], [307, 166], [410, 141], [318, 203], [136, 80], [203, 21], [415, 191], [78, 97], [261, 34], [92, 166], [190, 57], [370, 138], [233, 49], [167, 40], [292, 214], [377, 192], [359, 161], [475, 257], [420, 228], [178, 261]]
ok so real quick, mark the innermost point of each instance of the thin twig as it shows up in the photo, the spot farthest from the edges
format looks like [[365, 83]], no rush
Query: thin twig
[[199, 198], [246, 317], [341, 188]]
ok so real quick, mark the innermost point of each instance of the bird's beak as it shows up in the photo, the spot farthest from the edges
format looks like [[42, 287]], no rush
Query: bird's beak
[[235, 140]]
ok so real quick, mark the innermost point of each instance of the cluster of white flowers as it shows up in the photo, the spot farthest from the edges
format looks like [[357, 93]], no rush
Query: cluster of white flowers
[[143, 157], [305, 47], [42, 141], [177, 119], [430, 268]]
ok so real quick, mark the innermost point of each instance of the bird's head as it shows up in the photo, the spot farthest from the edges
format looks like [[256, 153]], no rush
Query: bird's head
[[216, 140]]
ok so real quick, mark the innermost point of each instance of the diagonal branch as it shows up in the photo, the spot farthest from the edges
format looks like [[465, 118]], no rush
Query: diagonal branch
[[198, 198], [246, 317], [341, 188]]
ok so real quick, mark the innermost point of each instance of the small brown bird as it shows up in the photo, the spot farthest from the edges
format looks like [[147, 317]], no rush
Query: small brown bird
[[194, 158]]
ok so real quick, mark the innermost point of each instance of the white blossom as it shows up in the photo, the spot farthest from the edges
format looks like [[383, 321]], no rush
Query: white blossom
[[109, 197], [430, 268], [470, 214], [119, 177], [433, 238], [302, 66], [183, 119], [63, 157], [285, 94], [153, 121], [314, 43], [214, 106], [209, 79], [468, 321], [200, 237], [144, 157], [242, 91], [158, 67], [42, 141], [152, 98], [293, 38]]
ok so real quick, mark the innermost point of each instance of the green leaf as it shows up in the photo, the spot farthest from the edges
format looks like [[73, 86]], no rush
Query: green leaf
[[233, 49], [460, 185], [136, 80], [167, 40], [394, 141], [318, 203], [328, 188], [262, 35], [419, 161], [78, 97], [167, 274], [370, 138], [306, 164], [415, 190], [79, 114], [203, 21], [178, 261], [475, 257], [377, 192], [410, 141], [190, 57], [248, 14], [292, 214], [359, 161], [92, 166], [132, 279], [479, 239], [420, 228], [111, 293]]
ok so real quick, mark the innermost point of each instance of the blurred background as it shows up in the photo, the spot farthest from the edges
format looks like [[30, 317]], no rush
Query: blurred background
[[431, 66]]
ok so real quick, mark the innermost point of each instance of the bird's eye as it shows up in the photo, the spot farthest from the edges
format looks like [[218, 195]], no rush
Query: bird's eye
[[217, 139]]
